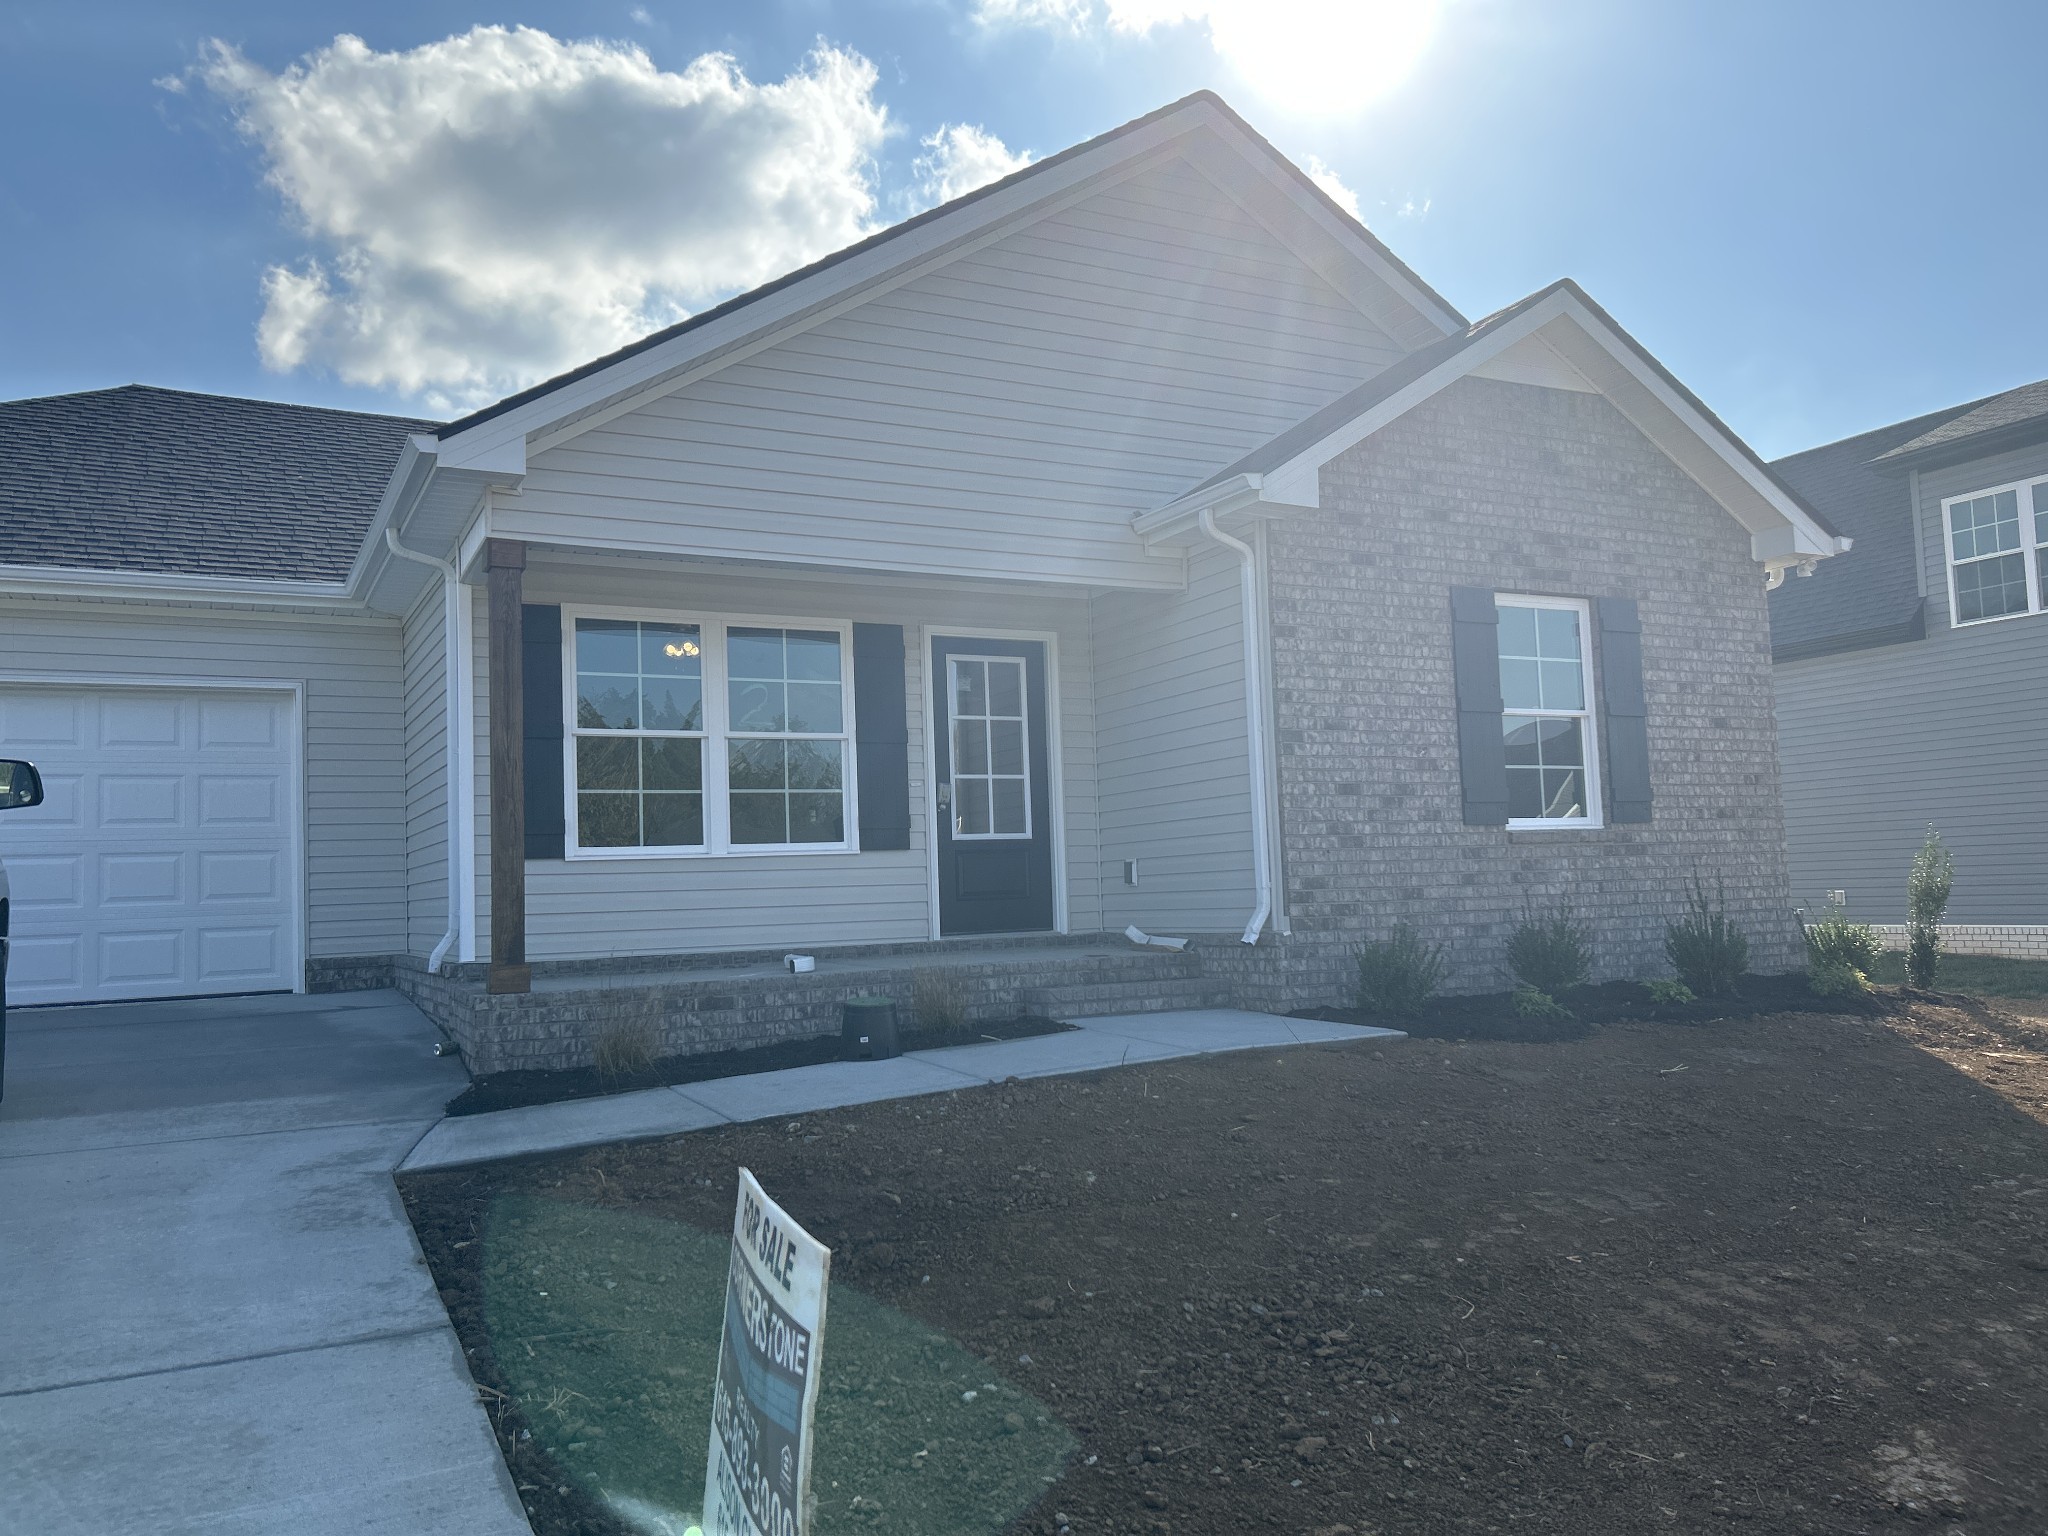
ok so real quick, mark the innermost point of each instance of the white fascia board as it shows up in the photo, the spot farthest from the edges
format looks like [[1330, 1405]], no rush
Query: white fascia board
[[151, 586], [1295, 484], [1780, 514], [1247, 496], [1781, 531], [407, 481], [845, 283]]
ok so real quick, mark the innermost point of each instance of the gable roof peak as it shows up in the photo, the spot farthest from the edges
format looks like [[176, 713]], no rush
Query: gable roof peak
[[1197, 108]]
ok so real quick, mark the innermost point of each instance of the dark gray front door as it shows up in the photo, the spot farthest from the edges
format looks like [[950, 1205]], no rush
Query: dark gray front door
[[992, 790]]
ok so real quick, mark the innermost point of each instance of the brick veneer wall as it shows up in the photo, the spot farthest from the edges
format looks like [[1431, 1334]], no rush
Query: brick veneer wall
[[2013, 941], [1521, 489]]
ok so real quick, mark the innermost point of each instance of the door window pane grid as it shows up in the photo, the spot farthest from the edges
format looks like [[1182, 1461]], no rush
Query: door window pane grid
[[991, 783]]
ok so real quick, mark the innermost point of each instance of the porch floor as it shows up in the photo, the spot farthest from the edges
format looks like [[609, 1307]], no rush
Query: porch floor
[[1093, 1045]]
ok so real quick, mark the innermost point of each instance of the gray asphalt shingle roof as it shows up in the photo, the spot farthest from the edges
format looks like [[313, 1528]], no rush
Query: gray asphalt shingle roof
[[2015, 408], [163, 481], [1871, 596]]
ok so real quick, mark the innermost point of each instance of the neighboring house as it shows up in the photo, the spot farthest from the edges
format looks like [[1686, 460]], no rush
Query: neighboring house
[[1134, 541], [1911, 676]]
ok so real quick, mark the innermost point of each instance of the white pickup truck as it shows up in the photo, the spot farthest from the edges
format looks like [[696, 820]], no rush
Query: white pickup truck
[[20, 787]]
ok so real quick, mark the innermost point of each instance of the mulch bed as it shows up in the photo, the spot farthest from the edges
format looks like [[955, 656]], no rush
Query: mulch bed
[[516, 1090], [1785, 1273], [1491, 1016]]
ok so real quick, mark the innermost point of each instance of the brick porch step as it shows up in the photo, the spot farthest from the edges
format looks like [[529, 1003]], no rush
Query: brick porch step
[[736, 1001]]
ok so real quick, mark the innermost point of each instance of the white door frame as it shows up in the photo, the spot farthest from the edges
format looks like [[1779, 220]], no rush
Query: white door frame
[[1055, 763], [295, 778]]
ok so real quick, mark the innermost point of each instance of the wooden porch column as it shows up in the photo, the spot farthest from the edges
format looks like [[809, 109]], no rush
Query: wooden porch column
[[505, 567]]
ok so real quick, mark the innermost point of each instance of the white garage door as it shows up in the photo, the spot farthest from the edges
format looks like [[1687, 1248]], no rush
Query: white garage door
[[160, 863]]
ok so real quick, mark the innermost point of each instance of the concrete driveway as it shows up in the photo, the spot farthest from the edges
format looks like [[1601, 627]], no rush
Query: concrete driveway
[[213, 1315]]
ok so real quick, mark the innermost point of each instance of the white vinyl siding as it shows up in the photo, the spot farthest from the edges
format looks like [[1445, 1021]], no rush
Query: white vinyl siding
[[426, 774], [355, 779], [593, 908], [1170, 723], [1002, 416]]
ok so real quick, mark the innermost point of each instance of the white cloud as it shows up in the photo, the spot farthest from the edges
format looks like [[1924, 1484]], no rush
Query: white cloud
[[1331, 183], [493, 208], [959, 158], [1315, 57]]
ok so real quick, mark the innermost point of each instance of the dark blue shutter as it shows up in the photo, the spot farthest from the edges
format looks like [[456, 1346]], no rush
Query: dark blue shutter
[[540, 643], [1624, 729], [1482, 751], [881, 705]]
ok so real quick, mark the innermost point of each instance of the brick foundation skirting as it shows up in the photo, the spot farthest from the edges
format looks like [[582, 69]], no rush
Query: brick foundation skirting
[[559, 1023], [350, 973], [2013, 941]]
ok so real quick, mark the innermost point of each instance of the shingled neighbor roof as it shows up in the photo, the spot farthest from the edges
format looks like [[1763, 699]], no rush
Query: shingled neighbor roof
[[1978, 429], [1870, 596], [165, 482]]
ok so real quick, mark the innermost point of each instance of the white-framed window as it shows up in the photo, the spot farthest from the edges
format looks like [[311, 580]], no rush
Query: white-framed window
[[1997, 543], [1547, 717], [693, 734]]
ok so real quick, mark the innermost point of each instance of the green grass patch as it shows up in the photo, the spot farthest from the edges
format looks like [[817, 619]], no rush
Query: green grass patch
[[606, 1327], [1986, 975]]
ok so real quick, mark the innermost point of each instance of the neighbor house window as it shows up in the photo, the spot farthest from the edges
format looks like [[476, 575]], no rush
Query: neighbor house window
[[705, 736], [1996, 563], [1546, 690]]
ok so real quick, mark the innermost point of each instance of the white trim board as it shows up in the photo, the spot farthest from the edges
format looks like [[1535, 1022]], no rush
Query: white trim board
[[1570, 328]]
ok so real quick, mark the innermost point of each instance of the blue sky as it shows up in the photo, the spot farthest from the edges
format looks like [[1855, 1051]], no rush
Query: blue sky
[[1822, 217]]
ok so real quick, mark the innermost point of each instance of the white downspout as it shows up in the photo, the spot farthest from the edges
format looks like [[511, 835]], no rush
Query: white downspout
[[1254, 722], [451, 613]]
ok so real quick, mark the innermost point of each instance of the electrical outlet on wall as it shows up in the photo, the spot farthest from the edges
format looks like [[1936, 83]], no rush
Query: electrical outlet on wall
[[1838, 898], [1130, 871]]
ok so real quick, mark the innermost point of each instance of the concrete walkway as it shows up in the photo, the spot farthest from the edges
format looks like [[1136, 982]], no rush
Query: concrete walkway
[[214, 1320], [213, 1316], [1091, 1046]]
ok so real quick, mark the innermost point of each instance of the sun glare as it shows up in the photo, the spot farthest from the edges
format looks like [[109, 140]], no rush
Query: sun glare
[[1321, 58]]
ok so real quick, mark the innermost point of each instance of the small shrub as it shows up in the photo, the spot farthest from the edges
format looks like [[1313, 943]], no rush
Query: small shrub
[[939, 1002], [1667, 991], [1551, 954], [1534, 1003], [1398, 974], [1707, 950], [1836, 978], [1927, 891], [1835, 940], [625, 1047]]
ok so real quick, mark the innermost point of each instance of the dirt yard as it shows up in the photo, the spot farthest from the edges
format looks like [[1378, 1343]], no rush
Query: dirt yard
[[1788, 1274]]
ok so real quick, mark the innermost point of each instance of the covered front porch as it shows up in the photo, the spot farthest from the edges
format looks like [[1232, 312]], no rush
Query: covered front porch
[[685, 769]]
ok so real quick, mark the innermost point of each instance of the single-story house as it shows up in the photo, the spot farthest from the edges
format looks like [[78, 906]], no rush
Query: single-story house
[[1908, 674], [1134, 542]]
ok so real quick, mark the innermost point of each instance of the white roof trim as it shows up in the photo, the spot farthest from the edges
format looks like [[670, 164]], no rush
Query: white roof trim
[[1781, 531], [571, 406], [80, 581]]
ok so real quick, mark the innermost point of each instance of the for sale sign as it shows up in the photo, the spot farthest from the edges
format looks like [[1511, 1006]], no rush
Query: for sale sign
[[759, 1478]]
